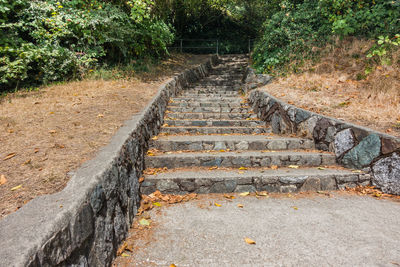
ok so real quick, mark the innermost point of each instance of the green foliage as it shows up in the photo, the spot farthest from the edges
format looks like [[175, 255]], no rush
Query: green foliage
[[380, 51], [46, 41], [292, 32]]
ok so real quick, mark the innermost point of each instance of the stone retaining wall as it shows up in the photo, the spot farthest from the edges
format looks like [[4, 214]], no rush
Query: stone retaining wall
[[354, 146], [83, 224]]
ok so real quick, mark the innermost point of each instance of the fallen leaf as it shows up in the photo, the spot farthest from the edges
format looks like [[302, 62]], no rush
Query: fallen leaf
[[242, 168], [378, 194], [295, 208], [52, 131], [172, 265], [157, 204], [3, 179], [141, 179], [229, 196], [213, 168], [293, 166], [100, 116], [249, 241], [36, 150], [262, 193], [9, 156], [356, 171], [274, 167], [222, 150], [240, 206], [125, 255], [16, 187], [144, 222], [217, 205], [154, 138], [321, 168], [244, 194], [151, 154]]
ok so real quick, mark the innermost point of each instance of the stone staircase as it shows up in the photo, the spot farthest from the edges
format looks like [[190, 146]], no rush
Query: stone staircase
[[212, 142]]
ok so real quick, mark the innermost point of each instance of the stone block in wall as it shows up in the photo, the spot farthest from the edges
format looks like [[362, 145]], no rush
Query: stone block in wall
[[344, 141], [386, 172], [364, 153], [306, 128], [390, 145]]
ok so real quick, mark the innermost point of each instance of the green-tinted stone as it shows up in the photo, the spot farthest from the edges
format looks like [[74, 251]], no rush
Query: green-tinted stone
[[364, 153]]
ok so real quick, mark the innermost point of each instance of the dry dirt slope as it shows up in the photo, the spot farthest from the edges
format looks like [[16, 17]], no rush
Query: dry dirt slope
[[46, 134]]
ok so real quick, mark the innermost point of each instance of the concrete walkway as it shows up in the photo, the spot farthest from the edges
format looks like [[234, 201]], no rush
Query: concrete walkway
[[342, 230]]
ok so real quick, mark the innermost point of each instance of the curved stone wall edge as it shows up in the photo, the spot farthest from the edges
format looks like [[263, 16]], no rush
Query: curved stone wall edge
[[355, 146]]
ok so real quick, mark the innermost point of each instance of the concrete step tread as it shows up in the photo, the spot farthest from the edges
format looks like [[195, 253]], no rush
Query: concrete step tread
[[215, 130], [227, 138], [247, 153], [210, 115]]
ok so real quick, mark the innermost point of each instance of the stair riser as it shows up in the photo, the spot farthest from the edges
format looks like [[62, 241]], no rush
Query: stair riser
[[233, 145], [219, 83], [237, 161], [221, 88], [209, 104], [276, 184], [211, 93], [230, 99], [209, 130], [209, 109], [215, 116], [217, 123]]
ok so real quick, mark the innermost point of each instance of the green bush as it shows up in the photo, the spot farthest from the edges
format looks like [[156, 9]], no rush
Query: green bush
[[46, 41], [291, 33]]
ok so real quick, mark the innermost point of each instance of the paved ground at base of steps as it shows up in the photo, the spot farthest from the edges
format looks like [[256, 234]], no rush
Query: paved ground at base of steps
[[341, 230]]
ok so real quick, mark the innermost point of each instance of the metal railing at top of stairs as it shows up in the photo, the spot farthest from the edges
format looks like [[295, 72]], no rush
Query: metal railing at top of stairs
[[208, 45]]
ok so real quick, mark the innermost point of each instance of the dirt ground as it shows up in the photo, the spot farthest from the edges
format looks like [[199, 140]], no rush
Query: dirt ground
[[47, 133], [337, 87]]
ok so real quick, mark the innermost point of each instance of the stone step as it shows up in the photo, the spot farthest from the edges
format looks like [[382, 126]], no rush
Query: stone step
[[211, 92], [215, 130], [206, 82], [214, 88], [210, 95], [243, 159], [231, 99], [221, 116], [233, 142], [208, 104], [209, 109], [282, 180], [225, 76], [215, 123]]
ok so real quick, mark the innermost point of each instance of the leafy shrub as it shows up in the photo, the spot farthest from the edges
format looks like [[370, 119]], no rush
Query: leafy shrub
[[291, 33], [46, 41]]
